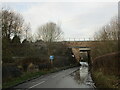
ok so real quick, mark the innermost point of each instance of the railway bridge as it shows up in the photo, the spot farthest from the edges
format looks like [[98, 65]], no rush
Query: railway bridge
[[80, 47]]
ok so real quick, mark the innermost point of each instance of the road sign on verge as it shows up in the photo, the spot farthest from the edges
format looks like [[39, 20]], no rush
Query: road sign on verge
[[51, 57]]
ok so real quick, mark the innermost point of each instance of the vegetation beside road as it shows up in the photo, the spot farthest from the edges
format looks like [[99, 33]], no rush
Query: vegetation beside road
[[106, 56], [23, 77], [102, 80], [105, 71]]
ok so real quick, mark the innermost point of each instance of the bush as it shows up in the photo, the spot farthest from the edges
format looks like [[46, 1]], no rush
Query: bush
[[107, 63], [6, 50], [105, 81], [10, 71]]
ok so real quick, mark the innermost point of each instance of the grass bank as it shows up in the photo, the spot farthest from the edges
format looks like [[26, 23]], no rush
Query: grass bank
[[105, 70], [105, 81], [26, 76]]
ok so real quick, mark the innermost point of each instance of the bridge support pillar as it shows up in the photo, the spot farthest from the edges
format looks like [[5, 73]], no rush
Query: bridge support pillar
[[89, 60]]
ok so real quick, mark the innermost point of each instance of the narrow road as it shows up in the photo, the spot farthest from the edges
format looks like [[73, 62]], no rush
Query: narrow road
[[77, 77]]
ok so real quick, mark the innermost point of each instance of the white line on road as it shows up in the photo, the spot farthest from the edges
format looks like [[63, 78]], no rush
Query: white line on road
[[37, 84]]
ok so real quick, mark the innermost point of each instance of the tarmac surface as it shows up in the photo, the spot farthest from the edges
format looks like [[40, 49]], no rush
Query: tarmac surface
[[77, 77]]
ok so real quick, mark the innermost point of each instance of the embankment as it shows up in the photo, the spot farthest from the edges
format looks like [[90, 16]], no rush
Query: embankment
[[105, 70]]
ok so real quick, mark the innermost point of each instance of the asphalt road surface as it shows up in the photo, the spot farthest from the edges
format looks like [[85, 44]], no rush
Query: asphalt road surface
[[77, 77]]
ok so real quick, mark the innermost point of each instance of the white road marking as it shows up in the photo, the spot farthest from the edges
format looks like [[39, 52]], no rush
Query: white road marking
[[37, 84]]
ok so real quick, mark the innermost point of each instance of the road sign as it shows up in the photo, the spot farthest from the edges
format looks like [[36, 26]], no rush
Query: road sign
[[51, 57]]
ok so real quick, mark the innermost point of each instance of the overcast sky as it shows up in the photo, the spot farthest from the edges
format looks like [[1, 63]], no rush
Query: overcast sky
[[77, 19]]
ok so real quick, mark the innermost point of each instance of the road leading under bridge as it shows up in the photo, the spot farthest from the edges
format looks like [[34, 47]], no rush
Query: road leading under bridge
[[77, 77]]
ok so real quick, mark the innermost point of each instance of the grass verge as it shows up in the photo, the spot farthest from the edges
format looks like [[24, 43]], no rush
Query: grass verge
[[105, 81], [22, 78]]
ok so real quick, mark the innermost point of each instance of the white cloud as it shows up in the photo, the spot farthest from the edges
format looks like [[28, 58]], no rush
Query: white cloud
[[77, 19]]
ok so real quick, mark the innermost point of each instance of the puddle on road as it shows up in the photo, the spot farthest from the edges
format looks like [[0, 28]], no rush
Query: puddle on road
[[82, 77]]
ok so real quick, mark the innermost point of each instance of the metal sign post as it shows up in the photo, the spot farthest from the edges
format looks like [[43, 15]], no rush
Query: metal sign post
[[51, 59]]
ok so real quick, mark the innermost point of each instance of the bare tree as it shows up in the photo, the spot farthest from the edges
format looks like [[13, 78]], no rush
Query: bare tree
[[13, 24], [50, 32], [108, 31], [26, 31], [108, 35]]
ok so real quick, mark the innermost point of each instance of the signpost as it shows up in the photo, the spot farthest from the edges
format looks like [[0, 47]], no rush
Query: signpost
[[51, 59]]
